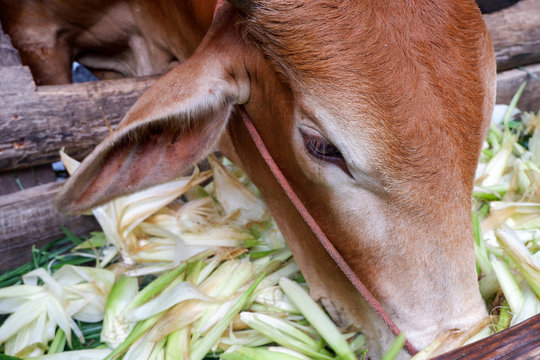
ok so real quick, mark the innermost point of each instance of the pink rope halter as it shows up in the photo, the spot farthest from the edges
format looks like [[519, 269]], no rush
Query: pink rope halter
[[315, 228], [317, 231]]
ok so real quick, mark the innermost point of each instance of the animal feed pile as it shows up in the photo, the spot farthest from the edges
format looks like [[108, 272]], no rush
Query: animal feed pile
[[197, 269]]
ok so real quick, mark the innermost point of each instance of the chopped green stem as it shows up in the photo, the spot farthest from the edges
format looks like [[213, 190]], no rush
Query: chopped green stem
[[193, 270], [318, 318], [70, 235], [490, 193], [234, 356], [505, 316], [59, 342], [202, 346], [141, 328], [513, 105], [260, 254], [161, 282], [508, 284], [482, 257], [177, 345], [285, 334], [55, 250], [396, 347]]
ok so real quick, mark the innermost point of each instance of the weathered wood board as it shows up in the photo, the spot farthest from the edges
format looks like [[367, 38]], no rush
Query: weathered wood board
[[519, 343], [38, 121], [515, 32], [36, 124], [16, 180], [508, 82], [28, 217]]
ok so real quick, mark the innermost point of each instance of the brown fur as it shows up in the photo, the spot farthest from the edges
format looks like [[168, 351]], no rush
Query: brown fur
[[403, 88], [111, 37]]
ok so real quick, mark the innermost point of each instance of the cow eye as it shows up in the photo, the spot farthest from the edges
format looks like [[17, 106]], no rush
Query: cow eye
[[322, 149]]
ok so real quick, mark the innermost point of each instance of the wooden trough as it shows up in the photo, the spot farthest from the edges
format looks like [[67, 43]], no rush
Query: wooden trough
[[37, 121]]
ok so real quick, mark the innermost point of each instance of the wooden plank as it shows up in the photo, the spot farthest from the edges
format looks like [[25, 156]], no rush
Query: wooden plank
[[8, 55], [29, 217], [508, 82], [15, 82], [518, 342], [43, 174], [35, 126], [12, 181], [515, 32], [8, 184]]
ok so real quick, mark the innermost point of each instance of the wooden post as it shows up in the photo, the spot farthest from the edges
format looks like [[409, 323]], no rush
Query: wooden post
[[508, 82], [38, 122], [515, 32], [28, 217]]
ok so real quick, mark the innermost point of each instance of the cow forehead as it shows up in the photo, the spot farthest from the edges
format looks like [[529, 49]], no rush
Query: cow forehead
[[408, 71], [364, 47]]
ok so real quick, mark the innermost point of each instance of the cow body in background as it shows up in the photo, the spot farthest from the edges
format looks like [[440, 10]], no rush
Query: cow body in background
[[113, 38], [374, 110]]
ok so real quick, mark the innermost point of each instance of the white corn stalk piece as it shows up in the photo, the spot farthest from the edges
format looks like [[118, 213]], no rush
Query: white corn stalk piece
[[317, 318], [90, 354]]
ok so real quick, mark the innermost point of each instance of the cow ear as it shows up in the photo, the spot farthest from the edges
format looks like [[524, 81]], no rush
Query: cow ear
[[173, 125]]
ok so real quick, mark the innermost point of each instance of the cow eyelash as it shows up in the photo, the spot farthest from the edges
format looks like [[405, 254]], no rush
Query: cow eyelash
[[322, 149]]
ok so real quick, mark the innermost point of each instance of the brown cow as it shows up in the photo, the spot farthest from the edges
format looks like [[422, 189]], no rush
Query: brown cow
[[114, 38], [374, 110]]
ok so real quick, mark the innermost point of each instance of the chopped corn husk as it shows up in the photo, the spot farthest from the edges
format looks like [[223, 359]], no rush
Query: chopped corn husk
[[91, 354], [239, 203], [207, 278], [72, 293], [506, 221], [213, 297], [115, 325]]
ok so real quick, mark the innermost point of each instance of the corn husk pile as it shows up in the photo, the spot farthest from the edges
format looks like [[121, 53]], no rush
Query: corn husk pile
[[506, 224], [507, 215], [222, 283], [195, 269]]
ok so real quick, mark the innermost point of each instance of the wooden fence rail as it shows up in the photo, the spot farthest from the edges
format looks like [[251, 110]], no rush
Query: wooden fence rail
[[515, 33], [38, 121]]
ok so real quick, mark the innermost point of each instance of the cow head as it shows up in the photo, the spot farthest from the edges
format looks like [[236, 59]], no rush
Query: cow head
[[374, 110]]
